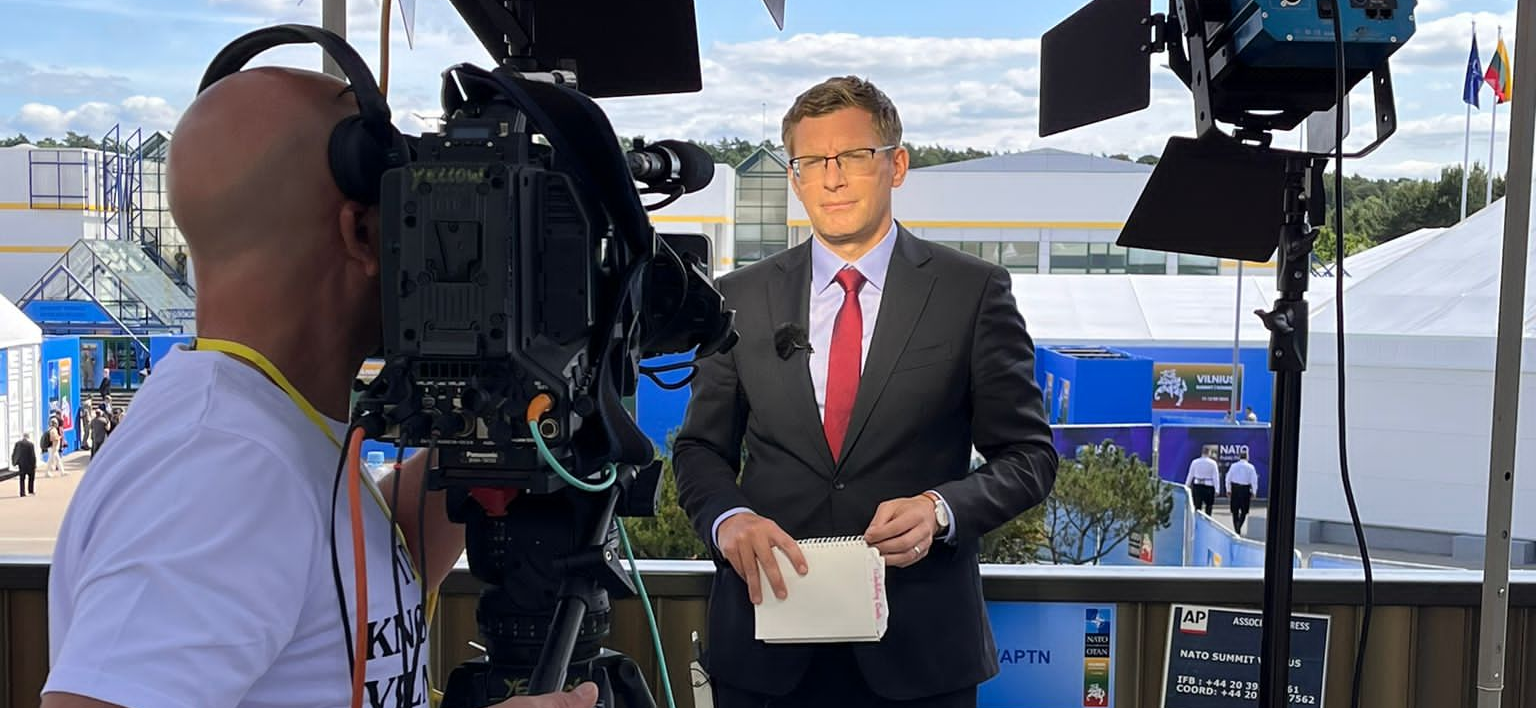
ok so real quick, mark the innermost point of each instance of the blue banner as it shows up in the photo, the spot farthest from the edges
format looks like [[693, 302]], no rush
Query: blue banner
[[1052, 655], [67, 312], [1134, 439], [1178, 445], [61, 387]]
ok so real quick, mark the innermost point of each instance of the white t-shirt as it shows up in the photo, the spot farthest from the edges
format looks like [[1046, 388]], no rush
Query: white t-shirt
[[1203, 470], [193, 568]]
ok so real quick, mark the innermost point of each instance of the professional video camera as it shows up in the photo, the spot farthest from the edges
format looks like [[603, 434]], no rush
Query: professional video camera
[[522, 285]]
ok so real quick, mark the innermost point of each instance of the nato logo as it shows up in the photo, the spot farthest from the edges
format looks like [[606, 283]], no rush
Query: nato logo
[[1098, 620]]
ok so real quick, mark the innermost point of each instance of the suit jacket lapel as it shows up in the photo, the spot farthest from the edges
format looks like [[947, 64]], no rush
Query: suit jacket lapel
[[789, 301], [907, 287]]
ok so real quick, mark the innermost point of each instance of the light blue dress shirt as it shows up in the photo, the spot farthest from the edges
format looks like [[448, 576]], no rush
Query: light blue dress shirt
[[826, 301]]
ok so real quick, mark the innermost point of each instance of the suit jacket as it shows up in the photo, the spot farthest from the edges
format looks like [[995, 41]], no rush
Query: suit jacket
[[24, 456], [950, 365]]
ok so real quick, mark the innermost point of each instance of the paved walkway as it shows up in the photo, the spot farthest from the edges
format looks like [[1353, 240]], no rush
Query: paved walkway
[[29, 525]]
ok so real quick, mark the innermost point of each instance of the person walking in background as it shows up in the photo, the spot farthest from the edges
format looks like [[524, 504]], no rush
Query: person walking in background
[[44, 444], [24, 457], [99, 428], [1203, 477], [1242, 478], [53, 448]]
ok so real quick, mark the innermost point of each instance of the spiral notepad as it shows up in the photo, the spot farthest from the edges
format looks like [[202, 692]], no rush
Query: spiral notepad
[[841, 599]]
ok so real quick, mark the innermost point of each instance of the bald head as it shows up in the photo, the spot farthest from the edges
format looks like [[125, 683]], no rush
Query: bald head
[[248, 172]]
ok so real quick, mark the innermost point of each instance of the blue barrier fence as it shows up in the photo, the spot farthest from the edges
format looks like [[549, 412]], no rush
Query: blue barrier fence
[[1214, 545]]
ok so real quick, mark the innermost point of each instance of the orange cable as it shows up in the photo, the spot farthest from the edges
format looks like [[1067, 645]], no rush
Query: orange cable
[[539, 406], [359, 563], [384, 48]]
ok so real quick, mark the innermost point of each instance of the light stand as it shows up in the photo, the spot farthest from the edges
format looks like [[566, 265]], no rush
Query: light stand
[[1287, 324]]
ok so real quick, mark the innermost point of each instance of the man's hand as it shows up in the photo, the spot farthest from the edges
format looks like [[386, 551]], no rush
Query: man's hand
[[583, 696], [747, 541], [903, 530]]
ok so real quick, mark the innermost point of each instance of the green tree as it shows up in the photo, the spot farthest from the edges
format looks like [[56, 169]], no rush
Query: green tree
[[1379, 210], [1354, 242], [1148, 159], [76, 140], [930, 155], [734, 151], [1099, 500], [729, 151], [18, 139], [668, 534], [1021, 540]]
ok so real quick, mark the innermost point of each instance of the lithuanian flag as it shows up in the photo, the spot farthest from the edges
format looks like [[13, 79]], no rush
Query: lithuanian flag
[[1501, 75]]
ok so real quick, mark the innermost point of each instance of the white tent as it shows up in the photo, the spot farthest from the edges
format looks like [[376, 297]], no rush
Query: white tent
[[15, 328], [1369, 261], [1420, 333], [1142, 310], [21, 396]]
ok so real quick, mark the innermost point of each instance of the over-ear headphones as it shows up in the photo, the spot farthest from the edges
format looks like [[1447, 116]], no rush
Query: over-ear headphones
[[362, 146]]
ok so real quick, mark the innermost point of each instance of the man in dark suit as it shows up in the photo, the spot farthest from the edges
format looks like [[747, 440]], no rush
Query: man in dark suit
[[101, 426], [24, 457], [869, 363]]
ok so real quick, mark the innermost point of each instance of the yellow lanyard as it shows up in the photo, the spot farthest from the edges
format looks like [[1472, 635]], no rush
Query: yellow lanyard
[[272, 372], [267, 367]]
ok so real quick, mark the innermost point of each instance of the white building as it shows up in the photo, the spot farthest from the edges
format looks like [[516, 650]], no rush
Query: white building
[[20, 378], [52, 197], [49, 199], [708, 212], [1042, 211]]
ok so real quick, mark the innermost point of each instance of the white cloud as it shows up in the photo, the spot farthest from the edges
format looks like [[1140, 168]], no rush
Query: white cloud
[[96, 117], [958, 92], [1440, 45], [153, 112], [20, 78]]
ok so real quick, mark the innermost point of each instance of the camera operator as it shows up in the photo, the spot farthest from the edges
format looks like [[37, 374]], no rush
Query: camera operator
[[194, 568]]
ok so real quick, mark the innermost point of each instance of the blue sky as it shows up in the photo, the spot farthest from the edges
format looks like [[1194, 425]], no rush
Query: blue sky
[[963, 73]]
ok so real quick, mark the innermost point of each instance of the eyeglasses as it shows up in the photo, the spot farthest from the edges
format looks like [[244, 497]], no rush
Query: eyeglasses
[[860, 161]]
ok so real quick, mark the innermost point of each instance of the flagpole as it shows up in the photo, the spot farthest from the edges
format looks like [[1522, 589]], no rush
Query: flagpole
[[1466, 143], [1493, 136], [1466, 157]]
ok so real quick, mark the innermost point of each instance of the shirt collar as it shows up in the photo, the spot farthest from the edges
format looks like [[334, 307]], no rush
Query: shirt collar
[[873, 265]]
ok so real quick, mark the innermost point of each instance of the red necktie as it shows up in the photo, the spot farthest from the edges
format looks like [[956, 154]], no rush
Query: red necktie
[[843, 363]]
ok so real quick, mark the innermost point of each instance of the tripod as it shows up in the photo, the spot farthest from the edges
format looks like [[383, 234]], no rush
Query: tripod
[[551, 561], [1287, 324]]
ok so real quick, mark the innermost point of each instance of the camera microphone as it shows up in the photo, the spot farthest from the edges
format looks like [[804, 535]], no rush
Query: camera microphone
[[790, 337], [672, 162]]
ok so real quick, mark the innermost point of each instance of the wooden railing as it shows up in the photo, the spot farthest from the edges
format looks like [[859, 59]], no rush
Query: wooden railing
[[1422, 653]]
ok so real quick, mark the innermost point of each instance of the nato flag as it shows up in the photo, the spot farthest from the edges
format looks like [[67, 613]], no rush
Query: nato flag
[[1474, 81]]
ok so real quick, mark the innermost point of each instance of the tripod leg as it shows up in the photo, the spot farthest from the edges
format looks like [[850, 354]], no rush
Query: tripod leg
[[630, 685]]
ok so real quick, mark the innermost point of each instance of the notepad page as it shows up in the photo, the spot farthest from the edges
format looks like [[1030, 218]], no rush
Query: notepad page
[[841, 599]]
